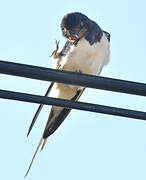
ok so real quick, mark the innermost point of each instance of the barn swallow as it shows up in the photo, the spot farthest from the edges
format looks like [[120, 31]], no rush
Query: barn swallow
[[86, 50]]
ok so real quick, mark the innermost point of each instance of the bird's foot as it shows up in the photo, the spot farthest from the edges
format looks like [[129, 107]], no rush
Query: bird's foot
[[55, 52]]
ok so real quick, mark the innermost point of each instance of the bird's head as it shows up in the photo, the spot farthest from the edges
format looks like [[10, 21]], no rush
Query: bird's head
[[74, 26]]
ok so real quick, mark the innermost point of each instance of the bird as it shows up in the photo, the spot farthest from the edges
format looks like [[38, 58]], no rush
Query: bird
[[86, 51]]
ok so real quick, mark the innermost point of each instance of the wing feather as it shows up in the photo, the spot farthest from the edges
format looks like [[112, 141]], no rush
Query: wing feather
[[39, 110], [57, 116]]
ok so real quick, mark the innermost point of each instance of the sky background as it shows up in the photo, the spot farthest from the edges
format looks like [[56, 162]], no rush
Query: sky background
[[87, 145]]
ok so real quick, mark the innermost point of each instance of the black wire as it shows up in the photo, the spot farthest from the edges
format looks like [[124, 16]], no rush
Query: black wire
[[72, 105], [83, 80]]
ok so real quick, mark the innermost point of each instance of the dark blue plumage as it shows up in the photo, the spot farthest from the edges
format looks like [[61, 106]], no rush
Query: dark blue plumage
[[76, 20]]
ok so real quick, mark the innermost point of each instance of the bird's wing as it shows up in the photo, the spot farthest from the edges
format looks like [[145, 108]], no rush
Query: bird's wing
[[107, 35], [51, 127], [57, 116], [46, 94], [39, 110]]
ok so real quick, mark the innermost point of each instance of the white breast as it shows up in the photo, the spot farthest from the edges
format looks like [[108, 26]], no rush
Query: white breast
[[86, 58]]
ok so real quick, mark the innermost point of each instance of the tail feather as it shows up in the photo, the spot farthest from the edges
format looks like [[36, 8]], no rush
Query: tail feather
[[57, 116], [39, 110], [34, 157], [51, 126], [54, 121], [45, 140]]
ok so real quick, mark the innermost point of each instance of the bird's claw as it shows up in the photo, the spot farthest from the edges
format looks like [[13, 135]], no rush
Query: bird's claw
[[54, 53]]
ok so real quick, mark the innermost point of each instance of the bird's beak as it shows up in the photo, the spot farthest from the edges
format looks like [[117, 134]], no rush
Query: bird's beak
[[78, 35], [74, 36]]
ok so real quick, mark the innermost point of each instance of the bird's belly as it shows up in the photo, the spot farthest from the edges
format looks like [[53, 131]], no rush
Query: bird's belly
[[86, 58], [85, 66]]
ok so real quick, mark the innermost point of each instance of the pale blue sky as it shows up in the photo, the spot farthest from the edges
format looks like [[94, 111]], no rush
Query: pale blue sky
[[87, 145]]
